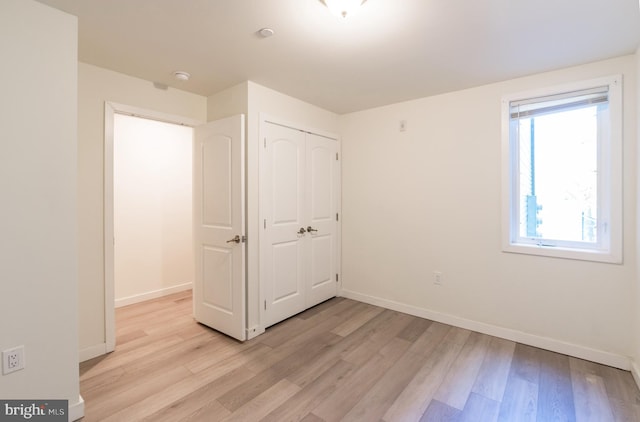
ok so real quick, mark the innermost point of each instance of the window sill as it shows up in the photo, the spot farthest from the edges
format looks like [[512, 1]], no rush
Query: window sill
[[566, 253]]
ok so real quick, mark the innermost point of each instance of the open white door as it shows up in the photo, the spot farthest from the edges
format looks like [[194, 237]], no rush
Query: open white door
[[219, 226]]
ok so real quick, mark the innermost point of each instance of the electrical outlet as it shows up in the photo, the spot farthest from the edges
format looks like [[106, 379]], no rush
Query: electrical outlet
[[12, 360], [437, 278]]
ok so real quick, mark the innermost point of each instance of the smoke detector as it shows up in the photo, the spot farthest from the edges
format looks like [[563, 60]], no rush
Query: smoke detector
[[181, 75], [266, 32]]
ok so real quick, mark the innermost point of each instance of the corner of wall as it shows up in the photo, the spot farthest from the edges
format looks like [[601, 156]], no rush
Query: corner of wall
[[228, 102]]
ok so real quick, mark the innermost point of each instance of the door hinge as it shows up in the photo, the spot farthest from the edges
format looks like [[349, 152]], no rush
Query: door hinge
[[336, 278], [337, 218], [336, 156], [265, 223], [265, 142], [265, 304]]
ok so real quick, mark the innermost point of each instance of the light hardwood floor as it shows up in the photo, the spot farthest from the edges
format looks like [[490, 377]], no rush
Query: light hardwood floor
[[342, 360]]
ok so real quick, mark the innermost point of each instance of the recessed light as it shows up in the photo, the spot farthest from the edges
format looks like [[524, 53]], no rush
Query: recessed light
[[181, 75], [266, 32]]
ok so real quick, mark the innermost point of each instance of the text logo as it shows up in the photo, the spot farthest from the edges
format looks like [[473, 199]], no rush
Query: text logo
[[34, 410]]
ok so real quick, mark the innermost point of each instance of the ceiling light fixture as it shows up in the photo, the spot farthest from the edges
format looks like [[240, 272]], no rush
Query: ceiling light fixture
[[181, 75], [343, 8]]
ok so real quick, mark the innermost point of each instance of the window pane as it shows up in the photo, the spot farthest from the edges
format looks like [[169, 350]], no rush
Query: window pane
[[558, 156]]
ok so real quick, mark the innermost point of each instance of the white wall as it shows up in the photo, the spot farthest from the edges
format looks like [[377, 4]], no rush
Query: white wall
[[95, 86], [428, 199], [38, 249], [153, 252]]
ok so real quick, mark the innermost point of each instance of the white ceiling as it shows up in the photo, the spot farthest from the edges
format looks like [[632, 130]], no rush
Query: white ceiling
[[394, 50]]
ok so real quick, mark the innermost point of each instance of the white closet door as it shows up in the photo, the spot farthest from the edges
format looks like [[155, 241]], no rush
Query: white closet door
[[321, 244], [284, 208]]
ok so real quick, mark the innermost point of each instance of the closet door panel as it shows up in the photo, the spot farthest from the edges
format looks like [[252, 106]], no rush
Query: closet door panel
[[284, 210], [321, 172]]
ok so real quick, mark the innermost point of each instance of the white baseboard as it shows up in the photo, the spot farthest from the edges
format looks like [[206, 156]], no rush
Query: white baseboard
[[92, 352], [76, 410], [554, 345], [130, 300]]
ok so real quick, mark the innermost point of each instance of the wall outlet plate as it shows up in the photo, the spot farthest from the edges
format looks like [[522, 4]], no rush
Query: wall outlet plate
[[12, 360]]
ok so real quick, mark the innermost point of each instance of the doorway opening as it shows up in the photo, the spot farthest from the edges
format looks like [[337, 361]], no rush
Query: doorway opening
[[152, 209], [147, 216]]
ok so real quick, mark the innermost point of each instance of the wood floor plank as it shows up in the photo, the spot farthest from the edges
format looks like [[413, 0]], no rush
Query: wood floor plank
[[348, 394], [309, 397], [415, 329], [124, 338], [411, 404], [555, 391], [492, 378], [312, 418], [264, 403], [339, 350], [526, 363], [213, 411], [589, 393], [127, 356], [381, 396], [440, 412], [182, 353], [380, 336], [225, 351], [520, 401], [352, 324], [306, 354], [250, 389], [456, 387], [377, 364], [175, 405], [299, 357], [331, 303], [132, 393], [480, 408], [316, 329], [105, 378], [135, 371], [619, 385], [625, 412]]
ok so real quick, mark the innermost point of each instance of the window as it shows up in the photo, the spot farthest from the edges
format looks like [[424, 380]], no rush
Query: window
[[562, 171]]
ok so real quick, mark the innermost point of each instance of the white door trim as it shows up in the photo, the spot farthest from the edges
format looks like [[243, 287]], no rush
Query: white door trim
[[110, 109]]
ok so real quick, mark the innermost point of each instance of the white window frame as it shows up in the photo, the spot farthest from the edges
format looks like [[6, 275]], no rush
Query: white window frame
[[609, 247]]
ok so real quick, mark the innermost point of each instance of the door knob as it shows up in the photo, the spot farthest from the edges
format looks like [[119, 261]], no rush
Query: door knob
[[311, 229], [235, 239], [302, 230]]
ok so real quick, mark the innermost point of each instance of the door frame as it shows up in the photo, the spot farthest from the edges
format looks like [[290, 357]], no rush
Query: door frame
[[110, 110], [265, 119]]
